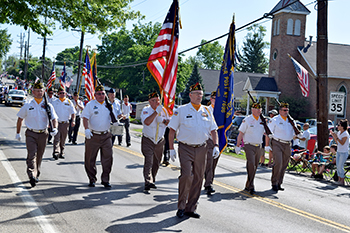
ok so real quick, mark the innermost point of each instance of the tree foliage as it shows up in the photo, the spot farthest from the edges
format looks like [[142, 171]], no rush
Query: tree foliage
[[211, 55], [253, 59], [296, 106], [5, 43], [194, 78], [90, 15]]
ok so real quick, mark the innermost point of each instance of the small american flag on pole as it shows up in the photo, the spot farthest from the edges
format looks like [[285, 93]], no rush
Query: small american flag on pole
[[303, 77], [163, 60], [89, 80], [52, 77]]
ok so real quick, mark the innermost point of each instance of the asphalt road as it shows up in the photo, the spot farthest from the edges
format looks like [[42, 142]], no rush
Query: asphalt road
[[62, 201]]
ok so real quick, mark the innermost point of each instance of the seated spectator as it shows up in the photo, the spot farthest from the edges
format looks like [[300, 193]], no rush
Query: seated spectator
[[323, 160]]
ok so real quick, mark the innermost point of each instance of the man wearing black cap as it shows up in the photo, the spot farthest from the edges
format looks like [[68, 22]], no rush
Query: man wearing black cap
[[116, 107], [211, 162], [193, 125], [126, 109], [37, 121], [251, 131], [154, 119], [73, 130], [97, 121], [51, 98], [283, 133]]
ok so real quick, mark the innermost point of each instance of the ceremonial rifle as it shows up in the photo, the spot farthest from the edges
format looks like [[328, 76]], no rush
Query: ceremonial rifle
[[263, 119], [48, 112], [108, 104], [290, 120]]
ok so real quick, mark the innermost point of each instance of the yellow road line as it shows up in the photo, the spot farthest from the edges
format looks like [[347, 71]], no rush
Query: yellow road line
[[302, 213]]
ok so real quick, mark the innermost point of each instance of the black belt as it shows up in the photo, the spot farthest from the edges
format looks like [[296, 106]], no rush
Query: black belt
[[37, 131], [63, 122], [99, 132], [194, 145]]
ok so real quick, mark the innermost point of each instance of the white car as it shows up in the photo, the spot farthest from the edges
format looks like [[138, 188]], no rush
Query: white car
[[15, 97]]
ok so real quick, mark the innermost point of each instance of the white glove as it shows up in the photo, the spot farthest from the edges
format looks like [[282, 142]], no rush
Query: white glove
[[54, 132], [88, 134], [268, 148], [237, 149], [216, 152], [160, 119], [172, 154], [18, 137], [159, 108]]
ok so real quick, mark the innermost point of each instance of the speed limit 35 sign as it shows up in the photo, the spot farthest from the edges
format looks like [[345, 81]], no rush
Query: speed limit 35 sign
[[337, 103]]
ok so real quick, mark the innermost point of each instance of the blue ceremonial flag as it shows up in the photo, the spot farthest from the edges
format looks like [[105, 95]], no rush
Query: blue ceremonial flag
[[224, 108]]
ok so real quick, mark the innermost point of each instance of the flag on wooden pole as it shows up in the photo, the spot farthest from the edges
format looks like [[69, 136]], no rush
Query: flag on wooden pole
[[163, 60]]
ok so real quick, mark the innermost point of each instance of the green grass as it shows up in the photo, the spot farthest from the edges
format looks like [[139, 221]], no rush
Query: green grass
[[137, 130]]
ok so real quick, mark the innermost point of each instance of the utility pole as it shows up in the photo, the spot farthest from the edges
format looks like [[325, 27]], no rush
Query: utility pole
[[43, 56], [80, 58], [322, 73], [21, 41], [26, 57]]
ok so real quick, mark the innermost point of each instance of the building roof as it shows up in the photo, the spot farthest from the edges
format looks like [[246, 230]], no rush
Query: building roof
[[259, 83], [211, 80], [338, 59], [296, 7]]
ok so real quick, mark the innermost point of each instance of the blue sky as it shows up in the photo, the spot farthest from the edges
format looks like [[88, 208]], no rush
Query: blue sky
[[201, 19]]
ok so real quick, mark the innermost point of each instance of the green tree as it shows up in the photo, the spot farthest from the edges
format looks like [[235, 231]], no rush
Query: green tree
[[5, 43], [211, 55], [194, 78], [253, 59], [296, 106], [129, 48], [89, 15]]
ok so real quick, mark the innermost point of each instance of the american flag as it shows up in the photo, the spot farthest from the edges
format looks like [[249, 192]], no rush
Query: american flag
[[52, 77], [303, 77], [63, 76], [89, 80], [162, 62]]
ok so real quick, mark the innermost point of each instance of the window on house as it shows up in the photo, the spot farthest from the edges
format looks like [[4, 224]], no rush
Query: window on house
[[290, 27], [278, 27], [297, 27]]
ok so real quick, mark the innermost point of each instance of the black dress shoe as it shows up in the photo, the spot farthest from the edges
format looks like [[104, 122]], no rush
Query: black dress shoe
[[74, 143], [192, 214], [180, 213], [106, 184], [152, 186], [49, 143], [275, 188], [280, 188], [61, 156], [55, 157], [209, 189], [32, 181], [251, 191], [36, 180], [92, 184], [119, 143], [128, 144]]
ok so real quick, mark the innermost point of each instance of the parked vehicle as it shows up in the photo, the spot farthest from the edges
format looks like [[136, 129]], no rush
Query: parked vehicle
[[15, 97], [1, 94], [313, 123], [233, 131]]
